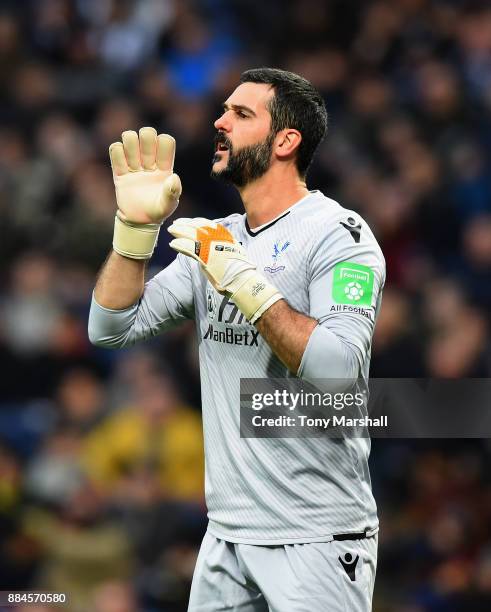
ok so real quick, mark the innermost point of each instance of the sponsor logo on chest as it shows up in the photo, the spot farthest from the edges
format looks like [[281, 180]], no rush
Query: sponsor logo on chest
[[226, 323]]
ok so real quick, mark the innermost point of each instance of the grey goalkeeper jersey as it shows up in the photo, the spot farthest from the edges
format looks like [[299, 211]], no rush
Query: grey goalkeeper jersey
[[327, 264]]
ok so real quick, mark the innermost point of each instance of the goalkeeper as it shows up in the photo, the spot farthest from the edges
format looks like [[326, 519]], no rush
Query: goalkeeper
[[290, 288]]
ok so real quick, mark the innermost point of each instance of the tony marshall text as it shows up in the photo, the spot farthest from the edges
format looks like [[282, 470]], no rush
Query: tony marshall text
[[325, 423]]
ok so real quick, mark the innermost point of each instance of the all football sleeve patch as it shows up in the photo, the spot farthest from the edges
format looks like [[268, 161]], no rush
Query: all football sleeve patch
[[352, 284]]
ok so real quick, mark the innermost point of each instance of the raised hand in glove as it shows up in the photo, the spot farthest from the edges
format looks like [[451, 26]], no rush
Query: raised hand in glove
[[147, 191]]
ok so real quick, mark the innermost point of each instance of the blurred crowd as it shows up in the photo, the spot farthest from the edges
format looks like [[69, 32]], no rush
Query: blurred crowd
[[101, 461]]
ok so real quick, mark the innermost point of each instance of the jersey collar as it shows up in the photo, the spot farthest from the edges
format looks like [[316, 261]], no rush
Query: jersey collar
[[261, 228], [269, 224]]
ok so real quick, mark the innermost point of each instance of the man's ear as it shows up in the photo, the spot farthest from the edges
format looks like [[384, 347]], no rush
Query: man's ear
[[287, 142]]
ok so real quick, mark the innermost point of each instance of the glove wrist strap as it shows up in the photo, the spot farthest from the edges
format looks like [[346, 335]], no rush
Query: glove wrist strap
[[255, 296], [133, 240]]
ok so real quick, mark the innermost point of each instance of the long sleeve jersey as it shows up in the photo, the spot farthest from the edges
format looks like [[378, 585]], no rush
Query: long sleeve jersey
[[327, 264]]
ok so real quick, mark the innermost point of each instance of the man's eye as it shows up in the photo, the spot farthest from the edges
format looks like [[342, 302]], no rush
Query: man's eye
[[241, 114]]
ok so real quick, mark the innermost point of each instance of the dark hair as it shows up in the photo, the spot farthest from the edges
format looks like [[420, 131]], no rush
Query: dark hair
[[296, 104]]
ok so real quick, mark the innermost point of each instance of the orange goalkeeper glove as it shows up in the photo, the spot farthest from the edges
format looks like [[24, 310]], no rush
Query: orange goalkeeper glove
[[225, 263]]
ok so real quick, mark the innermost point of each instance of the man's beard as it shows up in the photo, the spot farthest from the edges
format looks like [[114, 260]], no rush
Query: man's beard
[[247, 164]]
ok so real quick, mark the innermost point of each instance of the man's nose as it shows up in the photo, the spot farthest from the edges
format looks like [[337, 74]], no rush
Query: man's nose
[[222, 123]]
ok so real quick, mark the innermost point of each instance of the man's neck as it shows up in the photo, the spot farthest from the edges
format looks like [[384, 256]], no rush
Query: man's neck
[[266, 198]]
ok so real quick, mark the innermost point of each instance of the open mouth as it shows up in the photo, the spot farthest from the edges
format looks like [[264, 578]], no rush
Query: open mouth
[[221, 143]]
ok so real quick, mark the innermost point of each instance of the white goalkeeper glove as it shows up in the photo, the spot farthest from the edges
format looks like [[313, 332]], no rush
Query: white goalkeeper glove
[[147, 191], [225, 264]]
